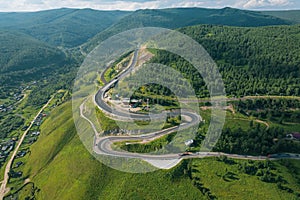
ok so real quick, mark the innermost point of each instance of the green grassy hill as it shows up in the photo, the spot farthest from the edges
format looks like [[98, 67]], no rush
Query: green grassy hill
[[181, 17], [61, 27], [59, 167]]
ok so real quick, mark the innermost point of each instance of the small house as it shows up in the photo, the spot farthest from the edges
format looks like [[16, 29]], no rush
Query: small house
[[188, 142], [294, 136]]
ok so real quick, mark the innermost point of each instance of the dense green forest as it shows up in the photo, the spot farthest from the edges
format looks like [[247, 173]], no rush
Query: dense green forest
[[24, 59], [256, 141], [72, 27], [279, 110], [252, 61]]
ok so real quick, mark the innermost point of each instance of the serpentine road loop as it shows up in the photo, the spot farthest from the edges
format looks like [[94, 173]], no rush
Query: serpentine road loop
[[102, 145]]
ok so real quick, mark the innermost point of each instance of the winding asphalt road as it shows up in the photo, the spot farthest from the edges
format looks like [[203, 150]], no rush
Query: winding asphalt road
[[102, 145]]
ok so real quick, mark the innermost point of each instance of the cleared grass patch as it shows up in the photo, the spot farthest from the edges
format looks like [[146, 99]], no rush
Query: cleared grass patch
[[226, 181]]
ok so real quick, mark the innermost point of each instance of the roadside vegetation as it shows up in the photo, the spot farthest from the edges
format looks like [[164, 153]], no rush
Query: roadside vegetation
[[105, 122], [146, 147], [118, 66]]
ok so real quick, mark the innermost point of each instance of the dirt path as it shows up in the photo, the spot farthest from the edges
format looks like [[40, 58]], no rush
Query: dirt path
[[263, 122], [255, 120], [3, 189]]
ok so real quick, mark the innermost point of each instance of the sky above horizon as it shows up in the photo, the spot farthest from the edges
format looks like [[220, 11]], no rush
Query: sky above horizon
[[35, 5]]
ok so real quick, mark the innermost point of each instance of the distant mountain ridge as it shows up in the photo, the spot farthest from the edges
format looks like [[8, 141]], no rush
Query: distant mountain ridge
[[28, 40], [70, 28], [181, 17], [290, 15], [61, 27]]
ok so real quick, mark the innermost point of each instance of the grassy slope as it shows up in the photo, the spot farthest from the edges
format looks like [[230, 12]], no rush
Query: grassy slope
[[211, 173], [61, 167]]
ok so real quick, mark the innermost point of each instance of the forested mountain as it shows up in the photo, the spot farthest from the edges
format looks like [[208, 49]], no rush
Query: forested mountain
[[61, 27], [290, 15], [72, 27], [182, 17]]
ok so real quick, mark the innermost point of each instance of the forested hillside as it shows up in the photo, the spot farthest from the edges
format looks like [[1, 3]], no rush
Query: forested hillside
[[252, 61], [62, 27], [21, 52], [24, 59], [181, 17]]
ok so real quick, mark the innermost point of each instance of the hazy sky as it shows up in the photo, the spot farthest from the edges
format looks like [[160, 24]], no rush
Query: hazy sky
[[33, 5]]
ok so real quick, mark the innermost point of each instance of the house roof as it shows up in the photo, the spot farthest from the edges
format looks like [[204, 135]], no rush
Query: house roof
[[296, 135]]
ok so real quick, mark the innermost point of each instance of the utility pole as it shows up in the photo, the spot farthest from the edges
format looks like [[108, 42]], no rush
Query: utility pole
[[148, 103]]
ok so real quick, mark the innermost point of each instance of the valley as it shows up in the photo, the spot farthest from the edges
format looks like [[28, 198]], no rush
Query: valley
[[43, 157]]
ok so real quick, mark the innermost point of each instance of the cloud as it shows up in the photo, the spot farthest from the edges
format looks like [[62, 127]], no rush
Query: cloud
[[256, 4], [34, 5]]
